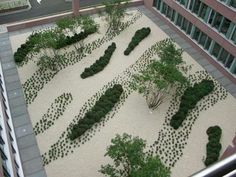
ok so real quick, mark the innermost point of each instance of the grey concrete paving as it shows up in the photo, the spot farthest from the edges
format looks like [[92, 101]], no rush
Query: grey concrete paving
[[27, 144], [212, 70]]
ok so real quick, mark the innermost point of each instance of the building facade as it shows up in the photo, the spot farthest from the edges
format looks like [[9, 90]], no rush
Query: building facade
[[210, 24], [10, 163]]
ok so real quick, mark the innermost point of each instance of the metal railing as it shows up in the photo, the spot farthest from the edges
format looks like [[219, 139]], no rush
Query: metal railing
[[225, 168]]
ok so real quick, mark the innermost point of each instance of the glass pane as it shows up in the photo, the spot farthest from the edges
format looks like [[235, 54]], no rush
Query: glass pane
[[179, 20], [217, 21], [225, 26], [196, 6], [223, 56], [211, 17], [233, 38], [158, 4], [233, 3], [185, 24], [189, 28], [196, 34], [173, 16], [163, 8], [203, 11], [229, 61], [169, 11], [203, 39], [216, 49]]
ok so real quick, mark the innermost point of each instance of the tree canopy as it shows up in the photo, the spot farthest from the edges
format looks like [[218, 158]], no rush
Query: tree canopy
[[130, 160]]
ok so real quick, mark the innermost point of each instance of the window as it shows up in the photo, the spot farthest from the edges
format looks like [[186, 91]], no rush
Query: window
[[189, 28], [173, 15], [223, 56], [169, 12], [196, 6], [202, 39], [225, 26], [229, 61], [233, 37], [217, 21], [215, 50], [184, 24], [164, 6], [196, 34], [233, 3], [208, 43], [203, 11], [158, 4], [179, 20], [211, 16]]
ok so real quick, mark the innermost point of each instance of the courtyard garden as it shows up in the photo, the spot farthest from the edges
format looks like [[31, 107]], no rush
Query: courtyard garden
[[96, 85]]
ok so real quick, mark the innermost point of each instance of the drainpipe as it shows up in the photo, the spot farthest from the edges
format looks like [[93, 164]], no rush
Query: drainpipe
[[75, 7]]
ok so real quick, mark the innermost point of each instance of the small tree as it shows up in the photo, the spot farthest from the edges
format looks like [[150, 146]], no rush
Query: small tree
[[115, 12], [130, 159], [162, 77]]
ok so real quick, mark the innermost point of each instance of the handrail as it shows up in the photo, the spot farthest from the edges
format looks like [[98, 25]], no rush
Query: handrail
[[218, 169]]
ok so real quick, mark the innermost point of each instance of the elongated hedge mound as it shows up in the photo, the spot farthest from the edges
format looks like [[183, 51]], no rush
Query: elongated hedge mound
[[75, 38], [136, 39], [189, 100], [100, 64], [25, 48], [213, 146], [103, 106]]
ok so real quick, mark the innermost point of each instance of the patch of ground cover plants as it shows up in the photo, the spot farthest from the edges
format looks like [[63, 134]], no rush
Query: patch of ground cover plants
[[137, 38], [53, 113], [170, 142], [99, 64], [190, 98], [42, 76], [213, 146], [104, 105]]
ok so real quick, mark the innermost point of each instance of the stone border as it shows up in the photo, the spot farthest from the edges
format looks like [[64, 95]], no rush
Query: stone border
[[28, 148], [217, 72]]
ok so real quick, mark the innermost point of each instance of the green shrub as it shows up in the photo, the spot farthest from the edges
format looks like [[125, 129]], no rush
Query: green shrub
[[190, 98], [213, 147], [136, 39], [103, 106], [99, 64], [25, 48]]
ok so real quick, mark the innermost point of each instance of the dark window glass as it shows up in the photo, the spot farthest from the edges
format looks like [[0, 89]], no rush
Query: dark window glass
[[233, 38], [196, 34], [179, 20], [217, 21], [225, 26], [229, 61], [164, 6], [216, 50], [173, 15], [203, 11], [185, 24], [211, 17], [196, 6], [203, 39], [208, 43], [189, 28], [223, 56], [169, 12], [233, 3]]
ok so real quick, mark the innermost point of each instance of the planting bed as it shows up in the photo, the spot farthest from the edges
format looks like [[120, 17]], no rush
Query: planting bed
[[57, 101]]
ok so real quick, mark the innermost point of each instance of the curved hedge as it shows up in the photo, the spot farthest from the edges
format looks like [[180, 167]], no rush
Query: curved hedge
[[103, 106], [25, 48], [213, 146], [136, 39], [189, 100], [75, 38], [100, 64]]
